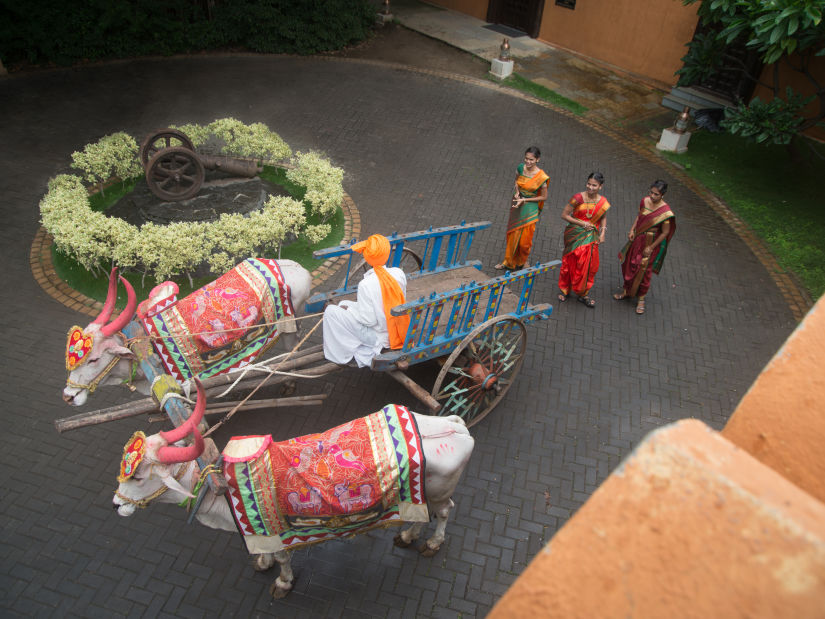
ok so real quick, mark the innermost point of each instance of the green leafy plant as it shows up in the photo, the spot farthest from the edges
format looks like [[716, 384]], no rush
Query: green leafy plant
[[112, 156], [786, 32]]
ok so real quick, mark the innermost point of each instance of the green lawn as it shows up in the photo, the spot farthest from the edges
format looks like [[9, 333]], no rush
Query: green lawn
[[83, 281], [518, 82], [780, 199]]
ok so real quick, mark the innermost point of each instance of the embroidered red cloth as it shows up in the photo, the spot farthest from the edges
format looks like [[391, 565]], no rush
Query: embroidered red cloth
[[365, 473]]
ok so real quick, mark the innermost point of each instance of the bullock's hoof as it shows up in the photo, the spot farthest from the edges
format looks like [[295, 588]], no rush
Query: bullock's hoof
[[279, 590], [399, 541], [261, 563], [426, 551]]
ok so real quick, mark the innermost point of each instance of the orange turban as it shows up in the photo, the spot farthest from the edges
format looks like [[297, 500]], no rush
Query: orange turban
[[376, 251]]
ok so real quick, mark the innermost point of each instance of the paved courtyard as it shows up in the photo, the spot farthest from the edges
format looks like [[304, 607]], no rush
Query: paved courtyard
[[419, 149]]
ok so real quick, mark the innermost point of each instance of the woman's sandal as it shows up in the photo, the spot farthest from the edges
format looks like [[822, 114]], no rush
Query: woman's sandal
[[500, 266], [619, 296], [640, 307], [562, 297], [587, 301]]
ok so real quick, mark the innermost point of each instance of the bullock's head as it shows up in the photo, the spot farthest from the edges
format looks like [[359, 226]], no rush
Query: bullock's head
[[152, 465], [93, 354]]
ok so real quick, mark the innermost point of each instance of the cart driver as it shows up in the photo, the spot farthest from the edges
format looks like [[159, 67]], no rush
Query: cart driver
[[360, 329]]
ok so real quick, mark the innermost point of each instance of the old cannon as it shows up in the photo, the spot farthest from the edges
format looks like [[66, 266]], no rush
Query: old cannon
[[174, 171]]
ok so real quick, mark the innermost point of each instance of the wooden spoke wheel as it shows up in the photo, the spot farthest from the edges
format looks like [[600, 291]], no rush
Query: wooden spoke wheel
[[481, 369], [160, 140], [410, 263], [175, 173]]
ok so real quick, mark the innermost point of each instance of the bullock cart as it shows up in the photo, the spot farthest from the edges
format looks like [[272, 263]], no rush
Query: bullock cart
[[474, 326], [475, 329]]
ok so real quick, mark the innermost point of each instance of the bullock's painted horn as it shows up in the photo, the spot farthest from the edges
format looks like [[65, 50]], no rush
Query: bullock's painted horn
[[111, 297], [128, 312], [171, 454]]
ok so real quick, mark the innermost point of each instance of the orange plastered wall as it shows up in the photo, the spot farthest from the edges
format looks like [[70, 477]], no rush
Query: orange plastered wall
[[645, 37], [797, 81], [781, 419]]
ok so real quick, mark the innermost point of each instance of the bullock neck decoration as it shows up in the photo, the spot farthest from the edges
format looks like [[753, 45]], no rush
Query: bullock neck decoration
[[78, 347], [133, 453]]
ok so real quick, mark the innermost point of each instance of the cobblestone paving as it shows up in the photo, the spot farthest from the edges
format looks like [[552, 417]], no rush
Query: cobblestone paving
[[418, 150]]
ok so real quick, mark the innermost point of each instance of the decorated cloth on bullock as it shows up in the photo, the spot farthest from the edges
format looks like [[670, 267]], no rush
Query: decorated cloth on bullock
[[219, 327], [364, 474]]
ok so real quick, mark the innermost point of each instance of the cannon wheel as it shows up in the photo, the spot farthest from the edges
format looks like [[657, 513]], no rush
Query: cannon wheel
[[150, 146], [175, 173], [410, 263], [481, 369]]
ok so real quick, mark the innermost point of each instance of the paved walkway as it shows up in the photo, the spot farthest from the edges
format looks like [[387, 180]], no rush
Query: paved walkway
[[419, 149], [611, 96]]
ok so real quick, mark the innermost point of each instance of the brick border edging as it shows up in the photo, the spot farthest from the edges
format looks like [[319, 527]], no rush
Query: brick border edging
[[40, 261]]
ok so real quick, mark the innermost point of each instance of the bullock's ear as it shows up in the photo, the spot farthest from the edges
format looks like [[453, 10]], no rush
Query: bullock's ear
[[173, 484], [119, 350]]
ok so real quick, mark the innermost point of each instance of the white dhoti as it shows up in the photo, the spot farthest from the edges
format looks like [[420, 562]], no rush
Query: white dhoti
[[358, 329]]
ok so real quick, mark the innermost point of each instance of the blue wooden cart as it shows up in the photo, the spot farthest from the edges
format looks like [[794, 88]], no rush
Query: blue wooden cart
[[473, 325]]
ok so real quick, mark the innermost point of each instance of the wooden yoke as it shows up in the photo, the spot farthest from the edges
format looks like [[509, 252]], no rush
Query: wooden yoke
[[176, 409]]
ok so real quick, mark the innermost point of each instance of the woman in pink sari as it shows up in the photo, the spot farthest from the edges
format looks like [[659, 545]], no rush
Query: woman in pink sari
[[646, 248]]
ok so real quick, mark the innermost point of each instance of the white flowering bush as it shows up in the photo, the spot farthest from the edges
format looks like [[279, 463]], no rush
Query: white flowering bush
[[113, 155], [323, 181], [91, 238]]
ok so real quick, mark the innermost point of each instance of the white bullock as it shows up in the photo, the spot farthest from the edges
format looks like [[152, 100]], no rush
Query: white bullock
[[167, 474], [102, 359]]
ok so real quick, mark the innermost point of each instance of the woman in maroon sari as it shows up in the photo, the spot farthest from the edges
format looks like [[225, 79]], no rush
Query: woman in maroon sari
[[648, 241]]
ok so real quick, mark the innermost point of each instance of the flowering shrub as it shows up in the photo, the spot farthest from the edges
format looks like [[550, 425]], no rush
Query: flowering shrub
[[322, 180], [112, 155], [91, 237]]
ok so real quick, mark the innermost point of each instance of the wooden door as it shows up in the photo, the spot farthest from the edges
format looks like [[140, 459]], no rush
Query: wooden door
[[524, 15]]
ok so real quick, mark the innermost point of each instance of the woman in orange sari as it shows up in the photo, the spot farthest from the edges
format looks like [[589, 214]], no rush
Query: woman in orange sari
[[525, 208], [586, 225], [647, 244]]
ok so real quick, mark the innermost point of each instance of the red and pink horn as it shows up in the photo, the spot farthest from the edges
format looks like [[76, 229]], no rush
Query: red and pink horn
[[111, 297], [128, 312], [170, 454]]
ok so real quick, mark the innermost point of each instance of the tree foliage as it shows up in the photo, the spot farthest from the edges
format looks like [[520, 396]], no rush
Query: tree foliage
[[56, 31], [789, 33]]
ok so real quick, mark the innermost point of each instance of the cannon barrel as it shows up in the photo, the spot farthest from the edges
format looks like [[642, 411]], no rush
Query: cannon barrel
[[231, 165]]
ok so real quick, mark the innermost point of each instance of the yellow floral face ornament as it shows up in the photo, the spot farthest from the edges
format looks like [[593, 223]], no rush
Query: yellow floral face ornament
[[78, 348]]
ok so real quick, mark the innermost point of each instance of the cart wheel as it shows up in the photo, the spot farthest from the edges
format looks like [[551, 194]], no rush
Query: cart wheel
[[175, 173], [161, 139], [481, 369], [410, 263]]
